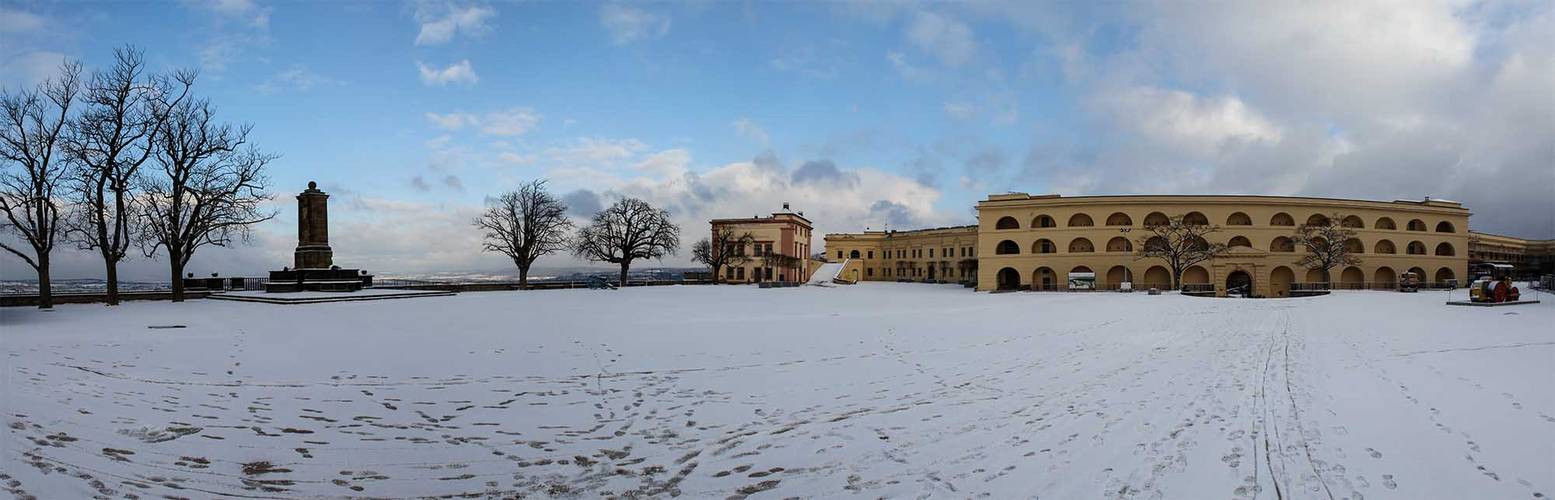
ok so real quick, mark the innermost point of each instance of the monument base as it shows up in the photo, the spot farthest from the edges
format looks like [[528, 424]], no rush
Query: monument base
[[317, 280]]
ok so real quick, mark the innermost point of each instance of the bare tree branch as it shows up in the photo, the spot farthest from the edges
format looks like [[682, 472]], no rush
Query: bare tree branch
[[32, 170], [525, 225], [724, 249], [628, 230], [1329, 244], [1181, 243]]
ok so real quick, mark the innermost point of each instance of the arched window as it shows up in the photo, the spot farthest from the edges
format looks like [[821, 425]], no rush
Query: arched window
[[1444, 275], [1198, 243], [1282, 219], [1081, 245], [1156, 243], [1044, 246], [1009, 279], [1195, 219], [1156, 219], [1444, 249], [1080, 220], [1239, 219], [1352, 222], [1353, 245], [1317, 220], [1007, 223], [1006, 247], [1119, 244], [1444, 227], [1043, 221], [1119, 219], [853, 254], [1417, 225], [1415, 248], [1385, 223], [1282, 244], [1239, 241], [1384, 246]]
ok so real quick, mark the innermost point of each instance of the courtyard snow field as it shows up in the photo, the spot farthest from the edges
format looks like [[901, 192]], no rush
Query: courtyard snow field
[[873, 390]]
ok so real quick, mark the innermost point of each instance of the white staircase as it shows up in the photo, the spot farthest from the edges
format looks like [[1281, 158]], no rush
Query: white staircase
[[825, 274]]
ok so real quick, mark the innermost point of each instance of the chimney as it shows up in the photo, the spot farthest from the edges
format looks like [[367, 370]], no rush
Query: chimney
[[785, 206]]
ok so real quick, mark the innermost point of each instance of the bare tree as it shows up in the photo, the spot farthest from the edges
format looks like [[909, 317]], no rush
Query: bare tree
[[1181, 243], [110, 140], [524, 225], [35, 170], [208, 189], [724, 249], [1328, 244], [783, 262], [628, 230]]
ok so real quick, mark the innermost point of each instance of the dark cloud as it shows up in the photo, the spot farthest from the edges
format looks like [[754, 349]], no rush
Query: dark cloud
[[823, 172], [582, 203], [453, 182], [420, 184], [894, 214]]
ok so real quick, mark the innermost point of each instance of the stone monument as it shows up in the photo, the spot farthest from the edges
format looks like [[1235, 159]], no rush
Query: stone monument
[[314, 262]]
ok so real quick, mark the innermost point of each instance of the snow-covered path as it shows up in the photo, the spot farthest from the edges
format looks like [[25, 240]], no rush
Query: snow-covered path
[[874, 390]]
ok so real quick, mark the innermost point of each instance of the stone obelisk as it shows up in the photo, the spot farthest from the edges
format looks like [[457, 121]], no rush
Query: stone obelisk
[[313, 250]]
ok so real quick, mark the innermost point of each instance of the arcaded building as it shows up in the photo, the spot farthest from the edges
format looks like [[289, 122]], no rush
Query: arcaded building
[[779, 251], [1035, 242]]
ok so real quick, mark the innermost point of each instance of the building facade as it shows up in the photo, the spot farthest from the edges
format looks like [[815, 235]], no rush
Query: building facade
[[779, 250], [942, 255], [1530, 259], [1036, 242]]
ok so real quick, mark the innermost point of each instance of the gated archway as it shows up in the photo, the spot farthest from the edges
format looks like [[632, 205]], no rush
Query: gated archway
[[1239, 283], [1009, 279]]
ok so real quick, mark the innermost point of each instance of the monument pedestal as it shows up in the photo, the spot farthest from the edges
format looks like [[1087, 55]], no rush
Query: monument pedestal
[[314, 269]]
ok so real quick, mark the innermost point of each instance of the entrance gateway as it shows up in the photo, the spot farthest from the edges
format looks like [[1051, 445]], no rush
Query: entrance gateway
[[1239, 283]]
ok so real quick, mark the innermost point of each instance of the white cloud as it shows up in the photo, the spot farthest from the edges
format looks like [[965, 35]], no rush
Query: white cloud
[[1177, 118], [945, 38], [460, 73], [630, 24], [906, 69], [296, 78], [441, 21], [452, 121], [30, 68], [510, 123], [15, 21], [750, 130], [247, 11]]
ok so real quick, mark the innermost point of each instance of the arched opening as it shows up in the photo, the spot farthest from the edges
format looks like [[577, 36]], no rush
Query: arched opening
[[1076, 270], [1280, 280], [1081, 245], [1384, 246], [1007, 223], [1009, 279], [1239, 219], [853, 254], [1354, 246], [1119, 274], [1044, 246], [1157, 277], [1384, 278], [1195, 219], [1239, 283], [1156, 219], [1156, 244], [1282, 219], [1080, 220], [1385, 223], [1415, 248], [1043, 221], [931, 271], [1445, 275], [1318, 220], [1352, 222], [1197, 243], [1444, 249], [1119, 219], [1006, 247], [1119, 244], [1416, 225], [1352, 278], [1419, 273], [1282, 244], [1239, 241], [1044, 279], [1444, 227], [1316, 276], [1195, 276]]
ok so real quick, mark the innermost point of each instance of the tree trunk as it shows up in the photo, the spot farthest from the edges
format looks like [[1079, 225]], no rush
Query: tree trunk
[[45, 289], [112, 276], [624, 266], [177, 268], [523, 277], [1176, 279]]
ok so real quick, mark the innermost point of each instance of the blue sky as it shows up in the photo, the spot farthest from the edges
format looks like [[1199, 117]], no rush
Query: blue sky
[[864, 114]]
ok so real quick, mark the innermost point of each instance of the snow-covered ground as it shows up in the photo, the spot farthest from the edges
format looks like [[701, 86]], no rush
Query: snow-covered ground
[[873, 390]]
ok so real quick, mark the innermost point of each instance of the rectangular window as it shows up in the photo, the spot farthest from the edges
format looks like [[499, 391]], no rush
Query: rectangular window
[[839, 254], [931, 253], [768, 273], [871, 254], [869, 272], [739, 273]]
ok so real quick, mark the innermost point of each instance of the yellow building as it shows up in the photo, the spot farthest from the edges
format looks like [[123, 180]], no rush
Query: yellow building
[[779, 251], [1036, 242], [1530, 259]]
